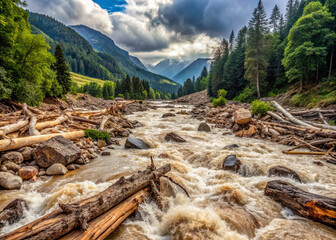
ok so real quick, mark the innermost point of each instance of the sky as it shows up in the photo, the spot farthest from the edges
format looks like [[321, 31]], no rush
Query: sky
[[154, 30]]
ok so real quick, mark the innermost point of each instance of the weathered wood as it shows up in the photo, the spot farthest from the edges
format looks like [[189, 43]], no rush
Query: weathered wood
[[32, 122], [48, 124], [315, 207], [313, 111], [13, 127], [81, 119], [305, 153], [16, 143], [79, 214], [103, 122], [277, 117], [13, 212]]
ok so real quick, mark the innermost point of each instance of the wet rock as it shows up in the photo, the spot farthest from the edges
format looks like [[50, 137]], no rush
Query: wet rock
[[80, 161], [56, 150], [232, 146], [331, 161], [231, 163], [125, 134], [174, 137], [166, 115], [13, 212], [57, 169], [183, 112], [33, 163], [27, 153], [242, 116], [281, 171], [204, 127], [105, 153], [41, 173], [10, 166], [136, 143], [110, 147], [10, 181], [28, 172], [14, 157], [166, 188], [71, 167], [101, 143]]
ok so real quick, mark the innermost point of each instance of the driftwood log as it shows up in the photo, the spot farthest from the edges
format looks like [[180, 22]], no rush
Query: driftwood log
[[61, 222], [315, 207], [13, 127], [32, 120]]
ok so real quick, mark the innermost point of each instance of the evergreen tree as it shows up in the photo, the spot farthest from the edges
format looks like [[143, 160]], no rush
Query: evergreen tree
[[331, 5], [231, 41], [275, 19], [62, 70], [108, 90]]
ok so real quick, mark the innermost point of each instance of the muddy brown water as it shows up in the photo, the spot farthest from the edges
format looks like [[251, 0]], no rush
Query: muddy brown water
[[223, 205]]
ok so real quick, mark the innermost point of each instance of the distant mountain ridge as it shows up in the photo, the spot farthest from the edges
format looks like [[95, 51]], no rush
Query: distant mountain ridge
[[168, 67], [193, 69]]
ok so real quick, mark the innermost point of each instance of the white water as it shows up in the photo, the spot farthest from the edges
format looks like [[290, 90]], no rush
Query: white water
[[223, 205]]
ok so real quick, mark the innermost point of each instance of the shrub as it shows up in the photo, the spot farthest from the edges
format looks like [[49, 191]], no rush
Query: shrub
[[247, 95], [332, 122], [95, 135], [260, 108], [220, 101]]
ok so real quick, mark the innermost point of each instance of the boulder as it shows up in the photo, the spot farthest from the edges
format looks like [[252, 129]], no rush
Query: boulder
[[14, 157], [13, 212], [281, 171], [28, 172], [166, 115], [10, 181], [57, 169], [101, 143], [231, 163], [232, 146], [174, 137], [136, 143], [10, 166], [242, 116], [27, 153], [56, 150], [71, 167], [204, 127]]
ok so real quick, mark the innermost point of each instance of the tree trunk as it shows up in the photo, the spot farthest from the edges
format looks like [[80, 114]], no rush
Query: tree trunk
[[33, 120], [301, 85], [315, 207], [317, 71], [58, 121], [258, 81], [331, 63], [13, 127]]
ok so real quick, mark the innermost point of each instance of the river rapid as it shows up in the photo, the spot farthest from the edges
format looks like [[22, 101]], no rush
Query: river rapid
[[222, 204]]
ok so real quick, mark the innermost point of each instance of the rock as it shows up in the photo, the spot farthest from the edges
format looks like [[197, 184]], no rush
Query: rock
[[106, 153], [57, 169], [242, 116], [247, 133], [33, 163], [110, 147], [3, 168], [232, 146], [14, 157], [231, 163], [13, 212], [281, 171], [101, 143], [166, 115], [204, 127], [91, 150], [80, 161], [183, 112], [71, 167], [10, 166], [331, 161], [56, 150], [166, 188], [27, 153], [27, 172], [10, 181], [41, 173], [136, 143], [76, 166], [174, 137], [125, 134]]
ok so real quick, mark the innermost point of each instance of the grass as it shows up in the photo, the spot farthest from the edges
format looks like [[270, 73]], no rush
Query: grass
[[168, 82], [82, 80]]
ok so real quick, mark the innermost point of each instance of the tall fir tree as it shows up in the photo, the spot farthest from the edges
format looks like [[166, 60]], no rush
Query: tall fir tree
[[231, 41], [62, 70], [275, 19]]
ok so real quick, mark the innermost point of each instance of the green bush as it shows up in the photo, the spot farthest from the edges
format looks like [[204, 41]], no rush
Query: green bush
[[220, 101], [260, 108], [332, 122], [247, 95], [95, 135]]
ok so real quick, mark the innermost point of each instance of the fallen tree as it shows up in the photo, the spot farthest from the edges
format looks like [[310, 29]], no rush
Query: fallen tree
[[315, 207]]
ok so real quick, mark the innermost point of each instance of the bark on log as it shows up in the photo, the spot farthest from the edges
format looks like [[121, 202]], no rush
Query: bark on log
[[81, 119], [315, 207], [33, 120], [276, 116], [13, 127], [58, 121], [79, 214], [102, 124], [313, 111], [323, 126], [16, 143]]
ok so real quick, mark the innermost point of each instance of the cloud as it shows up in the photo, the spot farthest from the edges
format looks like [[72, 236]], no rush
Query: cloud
[[73, 12]]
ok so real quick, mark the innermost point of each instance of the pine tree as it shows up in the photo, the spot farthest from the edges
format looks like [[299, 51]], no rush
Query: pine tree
[[275, 19], [62, 70], [231, 41], [331, 5]]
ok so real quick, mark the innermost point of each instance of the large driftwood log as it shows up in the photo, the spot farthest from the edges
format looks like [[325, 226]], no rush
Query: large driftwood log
[[33, 120], [81, 119], [13, 127], [16, 143], [48, 124], [316, 111], [79, 214], [277, 117], [315, 207]]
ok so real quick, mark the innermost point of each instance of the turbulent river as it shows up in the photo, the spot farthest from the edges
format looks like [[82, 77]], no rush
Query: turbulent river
[[222, 204]]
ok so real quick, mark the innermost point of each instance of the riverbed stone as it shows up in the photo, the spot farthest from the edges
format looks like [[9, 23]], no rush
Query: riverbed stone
[[101, 143], [56, 150], [9, 181], [242, 116], [166, 115], [106, 153], [174, 137], [136, 143], [15, 157], [10, 166], [231, 163], [27, 153], [232, 146], [41, 173], [28, 172], [282, 171], [204, 127], [57, 169], [71, 167]]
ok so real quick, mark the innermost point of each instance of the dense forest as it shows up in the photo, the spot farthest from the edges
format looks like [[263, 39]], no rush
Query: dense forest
[[272, 54]]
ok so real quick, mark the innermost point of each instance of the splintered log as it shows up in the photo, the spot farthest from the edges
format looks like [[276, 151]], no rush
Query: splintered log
[[277, 117], [103, 122], [78, 113], [13, 127], [33, 120], [59, 223], [16, 143], [48, 124], [81, 119], [315, 207]]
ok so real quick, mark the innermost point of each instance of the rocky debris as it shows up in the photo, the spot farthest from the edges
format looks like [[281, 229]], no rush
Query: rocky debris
[[174, 137], [281, 171], [242, 116], [183, 112], [136, 143], [14, 157], [56, 150], [82, 161], [204, 127], [10, 166], [136, 106], [101, 143], [166, 115], [247, 133], [28, 172], [27, 153], [231, 163], [166, 188], [232, 146], [57, 169], [105, 153], [199, 98], [41, 173], [13, 212], [10, 181], [72, 167]]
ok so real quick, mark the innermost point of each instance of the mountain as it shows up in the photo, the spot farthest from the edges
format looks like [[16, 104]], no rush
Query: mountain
[[127, 63], [168, 67], [194, 69]]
